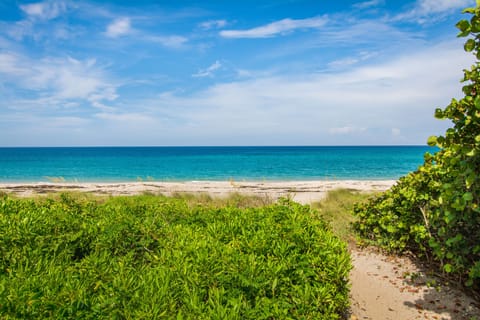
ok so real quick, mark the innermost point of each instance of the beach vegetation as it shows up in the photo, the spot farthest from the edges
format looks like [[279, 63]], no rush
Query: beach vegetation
[[336, 209], [435, 211], [233, 199], [153, 257]]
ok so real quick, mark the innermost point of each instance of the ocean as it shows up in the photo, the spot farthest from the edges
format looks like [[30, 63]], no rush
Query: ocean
[[125, 164]]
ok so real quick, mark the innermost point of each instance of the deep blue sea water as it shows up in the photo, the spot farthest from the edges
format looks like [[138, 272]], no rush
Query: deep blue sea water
[[115, 164]]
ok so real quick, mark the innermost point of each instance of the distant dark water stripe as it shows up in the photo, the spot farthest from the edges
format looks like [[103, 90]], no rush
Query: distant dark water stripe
[[115, 164]]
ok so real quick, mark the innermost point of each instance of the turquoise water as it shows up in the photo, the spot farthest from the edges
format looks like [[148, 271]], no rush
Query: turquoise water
[[115, 164]]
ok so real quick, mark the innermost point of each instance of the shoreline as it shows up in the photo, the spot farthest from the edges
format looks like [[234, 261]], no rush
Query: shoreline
[[305, 192]]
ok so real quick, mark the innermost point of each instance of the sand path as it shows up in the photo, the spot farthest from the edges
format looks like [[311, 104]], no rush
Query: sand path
[[383, 287], [391, 288]]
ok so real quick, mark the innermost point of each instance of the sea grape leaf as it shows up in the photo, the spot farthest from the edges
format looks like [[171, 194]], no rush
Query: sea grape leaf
[[469, 45]]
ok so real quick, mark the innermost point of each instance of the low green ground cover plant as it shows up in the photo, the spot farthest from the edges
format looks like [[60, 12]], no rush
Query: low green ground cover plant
[[152, 257], [435, 211]]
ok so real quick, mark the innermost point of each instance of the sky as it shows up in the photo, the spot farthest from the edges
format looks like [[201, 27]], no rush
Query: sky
[[227, 73]]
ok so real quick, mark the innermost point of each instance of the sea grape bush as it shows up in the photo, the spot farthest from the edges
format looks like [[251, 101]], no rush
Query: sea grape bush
[[151, 257], [435, 211]]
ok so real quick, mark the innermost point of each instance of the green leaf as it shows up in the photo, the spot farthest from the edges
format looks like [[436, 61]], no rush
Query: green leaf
[[469, 10], [448, 268], [463, 25], [475, 25], [469, 45], [391, 229], [432, 141], [439, 114], [448, 217], [468, 196], [477, 102], [470, 180]]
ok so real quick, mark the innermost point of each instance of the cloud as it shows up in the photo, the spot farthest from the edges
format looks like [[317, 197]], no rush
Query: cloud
[[38, 23], [119, 27], [54, 82], [437, 6], [346, 130], [396, 132], [172, 41], [10, 65], [208, 72], [351, 60], [342, 63], [368, 4], [425, 10], [280, 27], [122, 26], [46, 10], [125, 117], [213, 24]]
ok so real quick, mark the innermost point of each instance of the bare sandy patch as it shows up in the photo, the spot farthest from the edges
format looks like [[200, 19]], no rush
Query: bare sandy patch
[[391, 287]]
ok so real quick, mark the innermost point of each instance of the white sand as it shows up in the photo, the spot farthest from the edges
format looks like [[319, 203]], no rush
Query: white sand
[[300, 191], [391, 288]]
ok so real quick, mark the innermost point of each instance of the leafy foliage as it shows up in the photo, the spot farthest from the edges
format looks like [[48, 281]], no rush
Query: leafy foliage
[[149, 257], [435, 211]]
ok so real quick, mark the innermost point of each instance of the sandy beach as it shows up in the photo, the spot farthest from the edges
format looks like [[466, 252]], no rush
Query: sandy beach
[[301, 191]]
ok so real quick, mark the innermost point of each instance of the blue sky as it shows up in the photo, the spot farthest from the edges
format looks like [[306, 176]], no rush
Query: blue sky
[[283, 72]]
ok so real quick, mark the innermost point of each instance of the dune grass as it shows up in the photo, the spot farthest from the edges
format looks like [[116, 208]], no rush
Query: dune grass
[[336, 209]]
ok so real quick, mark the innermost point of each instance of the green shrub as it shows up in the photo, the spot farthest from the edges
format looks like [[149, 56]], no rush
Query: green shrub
[[148, 257], [435, 211]]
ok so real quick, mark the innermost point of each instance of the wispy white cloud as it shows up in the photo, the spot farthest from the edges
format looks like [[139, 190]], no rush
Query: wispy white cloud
[[280, 27], [346, 130], [40, 22], [56, 82], [427, 10], [171, 41], [10, 65], [208, 72], [437, 6], [213, 24], [351, 60], [368, 4], [45, 10], [342, 63], [363, 32], [123, 26], [119, 27], [125, 117]]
